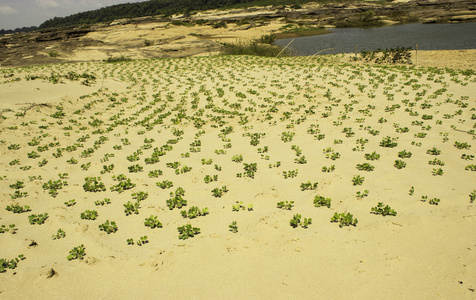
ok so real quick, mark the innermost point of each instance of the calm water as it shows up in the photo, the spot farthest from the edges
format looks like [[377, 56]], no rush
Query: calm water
[[427, 36]]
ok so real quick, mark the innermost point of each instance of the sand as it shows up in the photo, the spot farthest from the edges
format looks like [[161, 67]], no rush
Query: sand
[[425, 251]]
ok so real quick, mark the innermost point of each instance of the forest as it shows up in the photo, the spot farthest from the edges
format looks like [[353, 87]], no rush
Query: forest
[[162, 8]]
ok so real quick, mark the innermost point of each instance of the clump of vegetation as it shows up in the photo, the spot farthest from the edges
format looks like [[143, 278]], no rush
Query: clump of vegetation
[[296, 221], [187, 231], [322, 201], [344, 219], [383, 210]]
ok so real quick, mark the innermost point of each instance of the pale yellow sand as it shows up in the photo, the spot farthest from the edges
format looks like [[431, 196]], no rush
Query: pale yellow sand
[[424, 252]]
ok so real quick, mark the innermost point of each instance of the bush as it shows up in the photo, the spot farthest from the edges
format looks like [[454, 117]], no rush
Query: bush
[[254, 47]]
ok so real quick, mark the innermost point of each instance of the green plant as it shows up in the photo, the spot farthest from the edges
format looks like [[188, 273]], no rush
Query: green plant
[[11, 228], [17, 209], [240, 206], [472, 196], [285, 205], [322, 201], [411, 191], [70, 202], [434, 201], [437, 172], [233, 227], [176, 199], [459, 145], [290, 174], [93, 184], [10, 264], [399, 164], [237, 158], [436, 162], [363, 194], [358, 180], [131, 208], [296, 221], [470, 168], [404, 154], [344, 219], [209, 178], [433, 151], [308, 186], [383, 210], [165, 184], [194, 212], [187, 231], [89, 215], [365, 167], [328, 169], [372, 156], [108, 227], [152, 222], [123, 184], [37, 219], [219, 192], [59, 235], [388, 142], [102, 202], [77, 253]]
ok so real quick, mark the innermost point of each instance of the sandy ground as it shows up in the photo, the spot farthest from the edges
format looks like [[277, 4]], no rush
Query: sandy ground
[[181, 108]]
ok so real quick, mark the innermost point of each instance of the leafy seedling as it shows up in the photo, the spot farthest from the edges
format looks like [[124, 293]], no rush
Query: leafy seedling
[[383, 210], [152, 222], [344, 219], [37, 219], [108, 227], [296, 221], [233, 227], [77, 253], [59, 234], [187, 231], [285, 205]]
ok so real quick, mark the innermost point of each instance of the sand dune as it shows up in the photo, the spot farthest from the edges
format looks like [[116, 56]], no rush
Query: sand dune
[[272, 130]]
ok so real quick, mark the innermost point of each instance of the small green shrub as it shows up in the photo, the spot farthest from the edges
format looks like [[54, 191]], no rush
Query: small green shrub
[[37, 219], [108, 227], [296, 221], [344, 219], [89, 215], [383, 210], [77, 253], [152, 222], [187, 231]]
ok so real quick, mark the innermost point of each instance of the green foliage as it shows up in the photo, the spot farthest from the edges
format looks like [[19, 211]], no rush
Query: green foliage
[[308, 186], [176, 199], [123, 184], [187, 231], [459, 145], [383, 210], [89, 215], [70, 202], [328, 169], [59, 234], [77, 253], [233, 227], [285, 205], [37, 219], [17, 209], [470, 168], [11, 228], [344, 219], [93, 184], [152, 222], [165, 184], [194, 212], [131, 208], [365, 167], [472, 196], [388, 142], [219, 192], [10, 264], [108, 227], [237, 158], [296, 221], [399, 164], [404, 154], [358, 180], [433, 151], [322, 201], [240, 206]]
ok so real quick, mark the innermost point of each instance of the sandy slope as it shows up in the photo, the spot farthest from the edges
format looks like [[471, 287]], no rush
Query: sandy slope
[[424, 252]]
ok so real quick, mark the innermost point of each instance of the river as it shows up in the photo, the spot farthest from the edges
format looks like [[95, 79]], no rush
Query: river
[[348, 40]]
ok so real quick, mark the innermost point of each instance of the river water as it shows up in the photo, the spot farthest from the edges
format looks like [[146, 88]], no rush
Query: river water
[[427, 36]]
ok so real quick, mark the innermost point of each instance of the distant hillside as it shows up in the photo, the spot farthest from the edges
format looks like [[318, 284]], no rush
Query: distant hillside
[[160, 7]]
